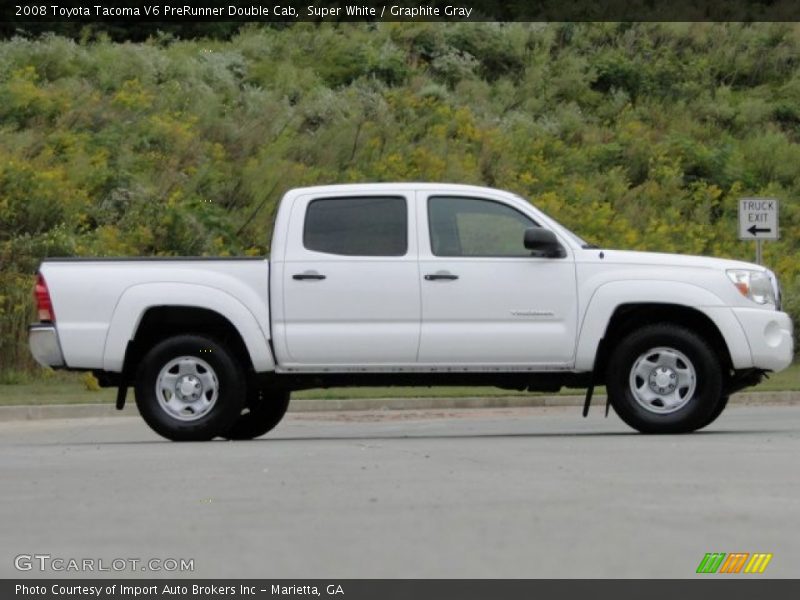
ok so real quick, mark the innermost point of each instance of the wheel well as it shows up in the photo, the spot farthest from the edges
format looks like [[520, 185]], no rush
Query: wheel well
[[161, 322], [628, 317]]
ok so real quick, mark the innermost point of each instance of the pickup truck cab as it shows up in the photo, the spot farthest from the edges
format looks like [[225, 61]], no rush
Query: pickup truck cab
[[412, 284]]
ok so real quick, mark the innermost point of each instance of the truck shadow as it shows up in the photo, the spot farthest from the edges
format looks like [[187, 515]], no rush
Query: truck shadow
[[517, 435], [455, 436]]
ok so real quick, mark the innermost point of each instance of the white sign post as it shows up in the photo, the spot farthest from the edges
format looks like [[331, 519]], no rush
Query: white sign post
[[758, 220]]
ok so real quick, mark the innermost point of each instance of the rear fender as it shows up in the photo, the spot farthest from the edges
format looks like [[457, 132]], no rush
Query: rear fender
[[136, 300]]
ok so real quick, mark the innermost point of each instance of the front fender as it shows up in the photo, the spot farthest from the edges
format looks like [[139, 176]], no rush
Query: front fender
[[608, 297], [137, 299]]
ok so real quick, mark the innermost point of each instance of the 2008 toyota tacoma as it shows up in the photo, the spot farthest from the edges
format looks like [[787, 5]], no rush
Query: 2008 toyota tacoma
[[412, 284]]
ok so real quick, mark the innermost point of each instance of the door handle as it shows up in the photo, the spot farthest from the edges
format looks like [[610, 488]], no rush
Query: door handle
[[441, 275], [308, 275]]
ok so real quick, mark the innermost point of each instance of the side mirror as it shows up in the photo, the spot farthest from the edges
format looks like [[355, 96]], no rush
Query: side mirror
[[543, 243]]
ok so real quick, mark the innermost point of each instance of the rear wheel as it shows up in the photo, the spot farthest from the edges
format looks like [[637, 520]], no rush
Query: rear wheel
[[190, 388], [664, 378], [267, 405]]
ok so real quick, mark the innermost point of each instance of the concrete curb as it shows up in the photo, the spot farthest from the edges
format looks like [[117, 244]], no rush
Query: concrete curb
[[79, 411]]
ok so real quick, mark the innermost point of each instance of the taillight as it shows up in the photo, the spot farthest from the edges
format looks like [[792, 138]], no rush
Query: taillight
[[44, 306]]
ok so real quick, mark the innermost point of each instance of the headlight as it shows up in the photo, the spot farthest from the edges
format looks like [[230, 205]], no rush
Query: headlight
[[776, 288], [755, 285]]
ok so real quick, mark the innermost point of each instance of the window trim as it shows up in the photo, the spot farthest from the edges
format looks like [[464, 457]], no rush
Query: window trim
[[358, 197], [483, 198]]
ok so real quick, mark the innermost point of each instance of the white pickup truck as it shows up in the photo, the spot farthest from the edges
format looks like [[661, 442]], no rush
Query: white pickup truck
[[412, 284]]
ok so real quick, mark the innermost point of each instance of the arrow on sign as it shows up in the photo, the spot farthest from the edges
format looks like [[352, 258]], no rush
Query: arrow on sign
[[755, 230]]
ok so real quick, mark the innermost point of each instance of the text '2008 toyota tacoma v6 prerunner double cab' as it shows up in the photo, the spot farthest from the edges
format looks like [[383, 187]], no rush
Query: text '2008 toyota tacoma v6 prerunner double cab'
[[412, 284]]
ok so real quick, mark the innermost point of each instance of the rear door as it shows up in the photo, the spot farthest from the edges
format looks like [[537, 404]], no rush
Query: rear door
[[486, 301], [351, 282]]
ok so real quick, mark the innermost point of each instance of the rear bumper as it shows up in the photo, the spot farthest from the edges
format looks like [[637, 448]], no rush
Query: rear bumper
[[769, 334], [44, 345]]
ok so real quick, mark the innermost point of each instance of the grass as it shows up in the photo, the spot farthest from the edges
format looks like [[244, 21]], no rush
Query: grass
[[69, 388]]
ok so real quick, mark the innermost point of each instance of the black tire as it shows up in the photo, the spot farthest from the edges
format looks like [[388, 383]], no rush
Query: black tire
[[221, 387], [678, 414], [716, 412], [266, 407]]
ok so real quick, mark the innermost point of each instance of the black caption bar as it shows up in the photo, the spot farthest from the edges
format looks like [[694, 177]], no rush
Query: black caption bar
[[390, 589], [288, 11]]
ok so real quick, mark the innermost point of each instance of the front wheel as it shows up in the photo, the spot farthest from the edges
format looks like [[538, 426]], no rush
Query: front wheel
[[716, 412], [664, 378], [190, 388]]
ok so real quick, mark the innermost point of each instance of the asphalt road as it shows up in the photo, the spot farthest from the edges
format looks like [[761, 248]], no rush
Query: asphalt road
[[537, 492]]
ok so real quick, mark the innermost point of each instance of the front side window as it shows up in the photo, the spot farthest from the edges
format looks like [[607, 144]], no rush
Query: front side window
[[363, 226], [476, 227]]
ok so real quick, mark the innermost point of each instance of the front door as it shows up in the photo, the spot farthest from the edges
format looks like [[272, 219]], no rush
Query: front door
[[486, 302]]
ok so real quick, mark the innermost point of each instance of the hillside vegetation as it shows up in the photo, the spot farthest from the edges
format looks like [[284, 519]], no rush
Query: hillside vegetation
[[641, 136]]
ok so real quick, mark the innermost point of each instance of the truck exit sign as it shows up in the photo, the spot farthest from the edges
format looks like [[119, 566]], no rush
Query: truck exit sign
[[758, 219]]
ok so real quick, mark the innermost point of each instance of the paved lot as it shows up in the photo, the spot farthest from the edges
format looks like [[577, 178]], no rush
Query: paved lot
[[530, 492]]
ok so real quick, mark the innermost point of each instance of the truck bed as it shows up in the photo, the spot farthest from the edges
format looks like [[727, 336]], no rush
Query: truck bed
[[94, 298]]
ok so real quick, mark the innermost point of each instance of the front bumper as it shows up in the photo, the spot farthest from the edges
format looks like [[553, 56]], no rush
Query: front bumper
[[769, 334], [44, 345]]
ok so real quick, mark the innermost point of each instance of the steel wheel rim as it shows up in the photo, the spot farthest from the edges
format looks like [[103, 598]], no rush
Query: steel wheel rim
[[187, 388], [662, 380]]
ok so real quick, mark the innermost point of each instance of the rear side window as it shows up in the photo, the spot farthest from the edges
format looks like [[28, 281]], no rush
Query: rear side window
[[363, 226]]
